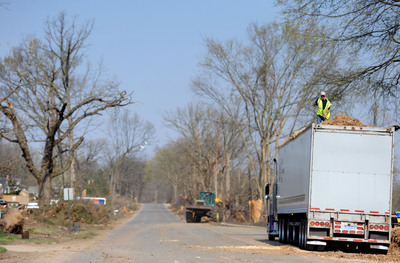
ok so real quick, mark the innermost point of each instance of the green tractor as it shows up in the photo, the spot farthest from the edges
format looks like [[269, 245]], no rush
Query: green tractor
[[207, 205]]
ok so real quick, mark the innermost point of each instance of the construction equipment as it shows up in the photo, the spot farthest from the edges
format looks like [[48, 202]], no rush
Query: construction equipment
[[396, 219], [207, 205], [333, 187]]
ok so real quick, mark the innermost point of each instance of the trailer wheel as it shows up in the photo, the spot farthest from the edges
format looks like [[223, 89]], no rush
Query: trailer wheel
[[283, 230], [285, 224], [280, 234], [301, 234], [288, 235], [296, 230]]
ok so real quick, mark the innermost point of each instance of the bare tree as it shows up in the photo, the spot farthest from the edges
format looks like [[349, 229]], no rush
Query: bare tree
[[87, 162], [44, 98], [368, 29], [11, 162], [200, 160], [132, 175], [192, 123], [274, 79], [170, 165], [128, 134]]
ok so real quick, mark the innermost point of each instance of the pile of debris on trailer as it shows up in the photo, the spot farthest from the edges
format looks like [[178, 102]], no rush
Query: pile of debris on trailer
[[339, 120], [344, 120]]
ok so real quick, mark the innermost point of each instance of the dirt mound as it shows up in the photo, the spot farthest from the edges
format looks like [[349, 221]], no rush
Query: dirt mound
[[80, 212], [344, 120], [395, 245], [56, 209], [89, 214], [12, 222]]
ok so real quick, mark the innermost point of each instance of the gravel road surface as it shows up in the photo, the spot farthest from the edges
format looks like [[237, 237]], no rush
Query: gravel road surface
[[156, 235]]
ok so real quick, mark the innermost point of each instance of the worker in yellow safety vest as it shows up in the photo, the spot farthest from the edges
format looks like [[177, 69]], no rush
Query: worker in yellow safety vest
[[323, 106]]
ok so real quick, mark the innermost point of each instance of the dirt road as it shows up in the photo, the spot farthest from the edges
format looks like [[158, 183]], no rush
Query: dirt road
[[156, 235]]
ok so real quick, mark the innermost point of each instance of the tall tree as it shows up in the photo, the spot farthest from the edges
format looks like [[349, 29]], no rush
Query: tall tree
[[44, 98], [128, 134], [170, 165], [273, 77], [369, 29], [201, 159]]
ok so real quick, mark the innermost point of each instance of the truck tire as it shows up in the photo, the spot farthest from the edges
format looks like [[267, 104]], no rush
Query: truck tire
[[189, 217], [216, 216], [302, 234], [285, 230], [295, 233], [288, 235]]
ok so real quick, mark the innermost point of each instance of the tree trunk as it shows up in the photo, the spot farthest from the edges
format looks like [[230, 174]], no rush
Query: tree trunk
[[250, 184], [44, 187], [228, 177], [175, 186], [72, 174], [263, 169], [215, 173]]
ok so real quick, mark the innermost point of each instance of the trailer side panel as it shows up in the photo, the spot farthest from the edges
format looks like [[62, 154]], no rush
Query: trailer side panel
[[294, 173]]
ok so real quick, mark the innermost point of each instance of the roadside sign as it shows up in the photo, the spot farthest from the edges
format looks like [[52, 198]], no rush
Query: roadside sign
[[68, 194]]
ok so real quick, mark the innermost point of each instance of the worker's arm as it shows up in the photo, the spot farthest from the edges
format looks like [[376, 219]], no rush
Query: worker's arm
[[326, 113]]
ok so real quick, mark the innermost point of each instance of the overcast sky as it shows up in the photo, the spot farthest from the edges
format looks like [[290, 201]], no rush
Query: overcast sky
[[153, 47]]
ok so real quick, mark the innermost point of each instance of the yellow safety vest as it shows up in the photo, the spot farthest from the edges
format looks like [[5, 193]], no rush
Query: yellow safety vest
[[322, 111]]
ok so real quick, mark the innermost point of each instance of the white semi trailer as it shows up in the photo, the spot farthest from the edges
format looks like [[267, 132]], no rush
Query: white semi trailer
[[333, 186]]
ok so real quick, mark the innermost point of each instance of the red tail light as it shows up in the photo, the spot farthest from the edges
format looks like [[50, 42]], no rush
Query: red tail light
[[381, 227], [376, 227], [371, 226], [326, 224], [317, 223], [386, 228], [312, 223]]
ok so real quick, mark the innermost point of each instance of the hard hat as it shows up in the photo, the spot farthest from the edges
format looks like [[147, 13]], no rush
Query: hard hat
[[323, 93]]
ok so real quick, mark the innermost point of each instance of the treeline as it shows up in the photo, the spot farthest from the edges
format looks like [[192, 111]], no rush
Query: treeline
[[52, 99], [255, 92]]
